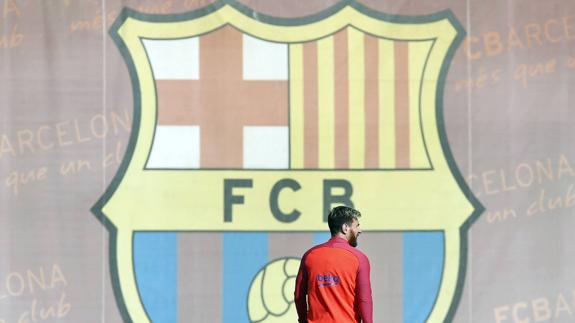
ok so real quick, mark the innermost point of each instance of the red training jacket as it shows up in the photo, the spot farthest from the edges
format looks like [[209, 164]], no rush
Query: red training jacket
[[335, 278]]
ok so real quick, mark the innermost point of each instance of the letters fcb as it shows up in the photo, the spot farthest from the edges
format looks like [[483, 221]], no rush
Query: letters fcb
[[329, 198]]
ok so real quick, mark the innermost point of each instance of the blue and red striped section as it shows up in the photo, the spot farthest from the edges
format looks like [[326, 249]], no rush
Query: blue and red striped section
[[161, 264]]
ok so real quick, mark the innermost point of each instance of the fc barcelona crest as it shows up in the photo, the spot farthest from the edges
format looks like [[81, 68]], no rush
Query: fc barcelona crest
[[249, 128]]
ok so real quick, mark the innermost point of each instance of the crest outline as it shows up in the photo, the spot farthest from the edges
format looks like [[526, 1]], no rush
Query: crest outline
[[118, 238]]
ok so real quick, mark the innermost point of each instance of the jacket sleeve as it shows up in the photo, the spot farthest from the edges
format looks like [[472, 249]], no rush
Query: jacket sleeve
[[301, 293], [363, 286]]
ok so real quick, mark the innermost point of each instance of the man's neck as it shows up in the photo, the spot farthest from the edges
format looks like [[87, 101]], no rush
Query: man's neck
[[340, 235]]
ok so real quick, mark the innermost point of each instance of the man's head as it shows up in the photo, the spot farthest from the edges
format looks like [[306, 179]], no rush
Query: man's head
[[343, 222]]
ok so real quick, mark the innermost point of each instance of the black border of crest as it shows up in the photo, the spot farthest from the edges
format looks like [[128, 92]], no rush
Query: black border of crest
[[127, 13]]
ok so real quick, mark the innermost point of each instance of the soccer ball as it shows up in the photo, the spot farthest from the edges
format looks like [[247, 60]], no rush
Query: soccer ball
[[270, 298]]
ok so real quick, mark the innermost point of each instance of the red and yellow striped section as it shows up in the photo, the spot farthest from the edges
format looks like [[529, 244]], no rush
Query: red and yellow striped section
[[355, 103]]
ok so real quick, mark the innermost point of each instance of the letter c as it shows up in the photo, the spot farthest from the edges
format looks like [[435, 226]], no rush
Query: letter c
[[516, 308], [274, 205]]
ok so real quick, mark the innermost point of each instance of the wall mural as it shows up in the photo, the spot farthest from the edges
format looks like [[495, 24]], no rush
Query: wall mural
[[172, 160]]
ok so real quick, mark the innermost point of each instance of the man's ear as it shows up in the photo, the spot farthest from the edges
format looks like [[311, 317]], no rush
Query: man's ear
[[344, 228]]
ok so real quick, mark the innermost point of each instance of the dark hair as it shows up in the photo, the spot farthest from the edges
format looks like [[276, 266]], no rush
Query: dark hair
[[340, 215]]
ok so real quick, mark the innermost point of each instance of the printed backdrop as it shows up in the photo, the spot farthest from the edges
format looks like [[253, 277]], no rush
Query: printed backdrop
[[171, 160]]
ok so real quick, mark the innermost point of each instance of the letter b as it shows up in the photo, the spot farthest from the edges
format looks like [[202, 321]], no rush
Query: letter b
[[541, 310], [329, 199]]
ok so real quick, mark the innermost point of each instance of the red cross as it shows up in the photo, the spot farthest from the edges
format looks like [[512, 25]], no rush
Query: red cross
[[221, 102]]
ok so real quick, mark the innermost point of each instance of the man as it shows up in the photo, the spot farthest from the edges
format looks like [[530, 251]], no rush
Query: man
[[335, 276]]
